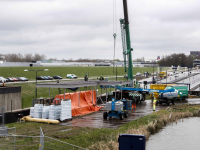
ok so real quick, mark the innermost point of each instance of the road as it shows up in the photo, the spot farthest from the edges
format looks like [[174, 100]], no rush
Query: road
[[95, 120], [193, 80]]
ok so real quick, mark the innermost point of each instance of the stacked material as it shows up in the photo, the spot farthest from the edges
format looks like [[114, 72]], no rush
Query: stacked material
[[32, 112], [66, 110], [54, 112], [38, 110], [45, 112]]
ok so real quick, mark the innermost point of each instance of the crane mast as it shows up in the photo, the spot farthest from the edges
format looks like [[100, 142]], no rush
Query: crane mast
[[126, 42]]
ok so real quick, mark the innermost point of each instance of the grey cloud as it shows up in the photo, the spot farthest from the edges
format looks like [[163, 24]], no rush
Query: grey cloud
[[77, 29]]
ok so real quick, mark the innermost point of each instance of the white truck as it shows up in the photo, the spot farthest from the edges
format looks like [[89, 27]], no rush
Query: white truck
[[2, 79], [72, 76], [168, 97]]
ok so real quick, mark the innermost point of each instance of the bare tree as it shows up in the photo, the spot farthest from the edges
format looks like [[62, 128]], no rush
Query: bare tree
[[28, 57]]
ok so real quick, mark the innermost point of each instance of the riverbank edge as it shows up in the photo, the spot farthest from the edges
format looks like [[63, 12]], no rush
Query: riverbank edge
[[149, 125]]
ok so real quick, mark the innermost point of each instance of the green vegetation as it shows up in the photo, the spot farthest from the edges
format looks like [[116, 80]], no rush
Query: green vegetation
[[105, 139], [28, 89], [63, 71]]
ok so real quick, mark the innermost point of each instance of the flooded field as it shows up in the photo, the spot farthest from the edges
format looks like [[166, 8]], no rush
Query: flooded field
[[185, 135]]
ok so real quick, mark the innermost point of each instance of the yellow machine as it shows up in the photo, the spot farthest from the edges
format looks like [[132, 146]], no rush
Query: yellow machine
[[158, 86], [156, 94], [162, 74]]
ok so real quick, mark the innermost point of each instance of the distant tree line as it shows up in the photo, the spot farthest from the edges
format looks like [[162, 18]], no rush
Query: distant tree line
[[178, 59], [139, 60], [89, 60], [23, 58]]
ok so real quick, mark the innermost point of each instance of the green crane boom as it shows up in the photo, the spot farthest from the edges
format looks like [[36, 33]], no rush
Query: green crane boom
[[126, 41]]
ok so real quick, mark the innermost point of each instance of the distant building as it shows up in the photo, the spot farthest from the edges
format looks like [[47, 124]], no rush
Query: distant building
[[197, 53], [196, 63]]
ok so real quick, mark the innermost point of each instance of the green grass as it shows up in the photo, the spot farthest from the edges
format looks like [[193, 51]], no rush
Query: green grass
[[63, 71], [28, 89]]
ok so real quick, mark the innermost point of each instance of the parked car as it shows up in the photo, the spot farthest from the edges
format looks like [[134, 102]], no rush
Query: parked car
[[40, 78], [126, 76], [57, 77], [10, 80], [15, 79], [2, 79], [71, 76], [7, 80], [138, 74], [19, 79], [45, 77], [50, 78], [22, 79]]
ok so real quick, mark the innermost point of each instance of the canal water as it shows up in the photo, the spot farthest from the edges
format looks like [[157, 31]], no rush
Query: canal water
[[181, 136]]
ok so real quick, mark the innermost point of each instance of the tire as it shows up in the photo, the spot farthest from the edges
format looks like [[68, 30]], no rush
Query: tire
[[126, 114], [172, 102], [121, 116], [183, 98], [105, 115], [168, 102]]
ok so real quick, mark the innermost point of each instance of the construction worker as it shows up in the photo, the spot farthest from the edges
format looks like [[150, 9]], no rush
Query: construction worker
[[134, 104], [86, 77], [101, 78], [154, 103]]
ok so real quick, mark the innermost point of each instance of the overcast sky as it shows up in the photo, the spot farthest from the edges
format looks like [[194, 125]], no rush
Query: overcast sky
[[65, 29]]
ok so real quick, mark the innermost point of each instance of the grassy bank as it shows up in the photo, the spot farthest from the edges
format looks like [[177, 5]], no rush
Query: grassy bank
[[106, 139]]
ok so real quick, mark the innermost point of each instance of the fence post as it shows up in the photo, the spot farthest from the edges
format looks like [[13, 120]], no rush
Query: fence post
[[79, 98], [14, 139], [11, 105], [22, 103], [41, 146], [92, 97]]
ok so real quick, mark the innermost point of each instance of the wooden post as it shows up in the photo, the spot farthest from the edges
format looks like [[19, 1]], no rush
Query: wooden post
[[49, 93], [92, 96], [79, 98], [64, 94], [106, 93], [115, 93]]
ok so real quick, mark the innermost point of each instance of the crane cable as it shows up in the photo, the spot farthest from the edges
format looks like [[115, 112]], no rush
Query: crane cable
[[114, 28]]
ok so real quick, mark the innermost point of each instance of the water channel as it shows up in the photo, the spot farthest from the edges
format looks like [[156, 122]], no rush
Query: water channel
[[181, 136]]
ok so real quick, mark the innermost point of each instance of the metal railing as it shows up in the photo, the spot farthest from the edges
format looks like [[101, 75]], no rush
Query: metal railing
[[10, 140]]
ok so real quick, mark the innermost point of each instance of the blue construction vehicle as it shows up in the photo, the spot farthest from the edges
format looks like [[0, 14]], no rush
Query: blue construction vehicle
[[117, 108]]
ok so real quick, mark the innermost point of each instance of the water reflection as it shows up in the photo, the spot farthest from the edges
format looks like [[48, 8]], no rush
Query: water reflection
[[181, 136]]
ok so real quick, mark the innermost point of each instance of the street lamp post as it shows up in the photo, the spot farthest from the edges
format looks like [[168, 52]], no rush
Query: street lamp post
[[166, 77], [36, 71], [153, 72]]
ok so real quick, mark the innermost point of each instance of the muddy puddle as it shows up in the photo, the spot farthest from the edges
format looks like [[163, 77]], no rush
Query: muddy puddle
[[185, 135]]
